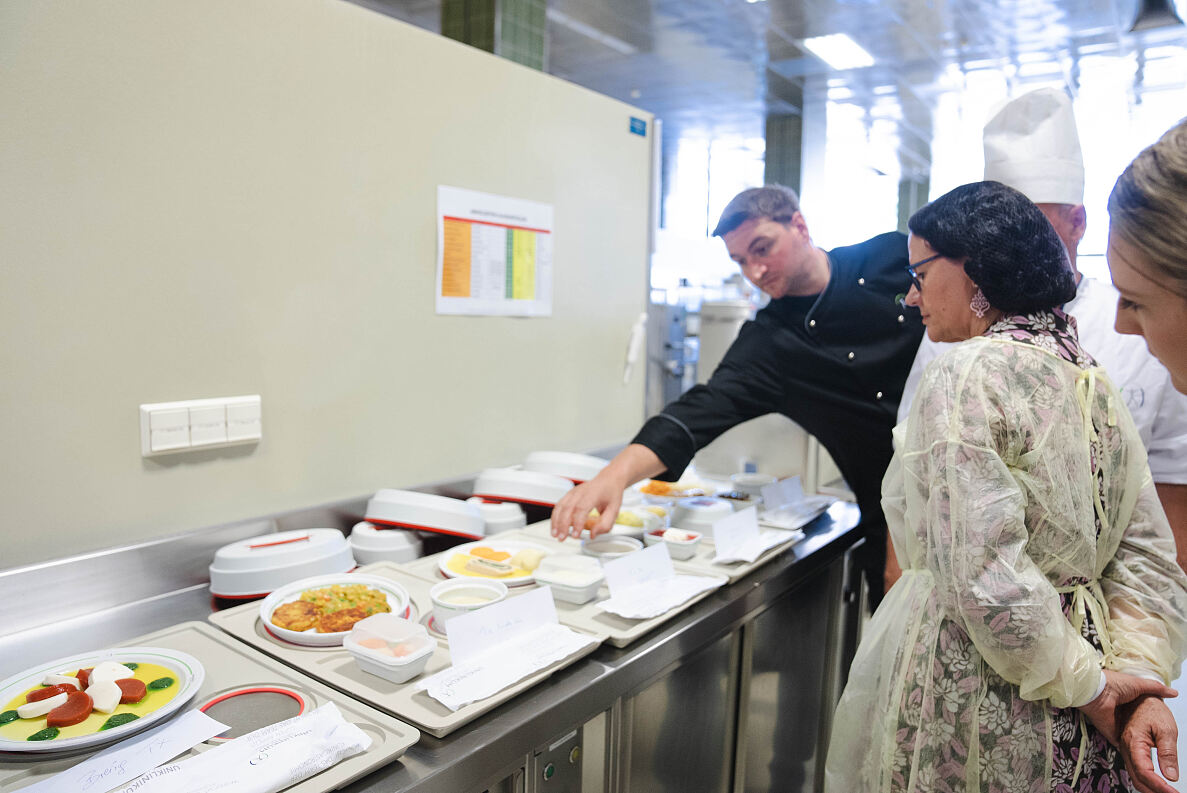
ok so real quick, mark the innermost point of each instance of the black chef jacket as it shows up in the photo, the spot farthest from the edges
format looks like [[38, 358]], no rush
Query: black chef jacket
[[834, 363]]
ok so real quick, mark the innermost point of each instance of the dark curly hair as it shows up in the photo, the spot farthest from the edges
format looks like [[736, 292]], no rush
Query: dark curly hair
[[1009, 248]]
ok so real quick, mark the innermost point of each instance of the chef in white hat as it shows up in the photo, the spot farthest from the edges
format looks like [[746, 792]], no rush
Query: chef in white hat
[[1032, 145]]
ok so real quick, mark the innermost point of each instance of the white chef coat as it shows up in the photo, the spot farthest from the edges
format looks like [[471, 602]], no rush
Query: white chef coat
[[1159, 411]]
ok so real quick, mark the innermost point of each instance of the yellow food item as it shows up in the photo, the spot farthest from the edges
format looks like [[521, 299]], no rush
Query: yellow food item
[[528, 559], [459, 564], [346, 596], [490, 553], [656, 509], [626, 518], [656, 488], [300, 615], [487, 567]]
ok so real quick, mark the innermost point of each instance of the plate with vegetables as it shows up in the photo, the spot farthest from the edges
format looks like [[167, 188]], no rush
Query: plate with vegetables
[[320, 611], [509, 561], [94, 698]]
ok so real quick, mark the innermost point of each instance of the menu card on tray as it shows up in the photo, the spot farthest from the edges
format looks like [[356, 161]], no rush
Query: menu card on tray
[[643, 584], [499, 645]]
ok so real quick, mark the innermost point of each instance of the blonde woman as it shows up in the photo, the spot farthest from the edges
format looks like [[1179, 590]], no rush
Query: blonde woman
[[1148, 261]]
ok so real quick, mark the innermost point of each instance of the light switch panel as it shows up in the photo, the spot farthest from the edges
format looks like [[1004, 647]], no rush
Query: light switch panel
[[172, 427]]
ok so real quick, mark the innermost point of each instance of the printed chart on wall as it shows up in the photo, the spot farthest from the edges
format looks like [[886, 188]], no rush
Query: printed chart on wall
[[494, 254]]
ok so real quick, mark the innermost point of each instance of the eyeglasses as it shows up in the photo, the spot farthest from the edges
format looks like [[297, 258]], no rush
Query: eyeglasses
[[915, 275]]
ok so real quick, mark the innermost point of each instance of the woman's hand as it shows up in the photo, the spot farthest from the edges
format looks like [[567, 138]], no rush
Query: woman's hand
[[1147, 723], [1120, 689]]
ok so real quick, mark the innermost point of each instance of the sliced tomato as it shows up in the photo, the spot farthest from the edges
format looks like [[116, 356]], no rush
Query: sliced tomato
[[131, 690], [84, 677], [38, 694], [75, 711]]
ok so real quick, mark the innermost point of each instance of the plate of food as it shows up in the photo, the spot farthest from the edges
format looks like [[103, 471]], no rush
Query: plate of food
[[320, 611], [94, 698], [665, 492], [509, 561]]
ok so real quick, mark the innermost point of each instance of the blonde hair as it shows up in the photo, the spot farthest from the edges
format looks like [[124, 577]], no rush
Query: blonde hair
[[1148, 208]]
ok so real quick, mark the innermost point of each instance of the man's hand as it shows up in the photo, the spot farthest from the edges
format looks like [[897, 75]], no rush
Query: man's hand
[[1120, 689], [603, 493], [1147, 723]]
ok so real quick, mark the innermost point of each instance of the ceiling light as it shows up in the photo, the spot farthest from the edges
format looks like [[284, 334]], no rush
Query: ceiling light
[[754, 1], [839, 51], [1155, 14]]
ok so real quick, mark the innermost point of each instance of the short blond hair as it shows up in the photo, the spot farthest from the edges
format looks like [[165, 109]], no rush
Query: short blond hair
[[1148, 207]]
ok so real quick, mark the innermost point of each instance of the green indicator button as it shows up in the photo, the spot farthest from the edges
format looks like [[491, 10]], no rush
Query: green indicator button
[[549, 771]]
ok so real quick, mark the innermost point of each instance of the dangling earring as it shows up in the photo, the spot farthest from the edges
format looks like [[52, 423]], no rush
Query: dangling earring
[[979, 304]]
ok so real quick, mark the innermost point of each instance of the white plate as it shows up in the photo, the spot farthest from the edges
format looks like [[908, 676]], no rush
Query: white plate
[[495, 544], [185, 667], [397, 598]]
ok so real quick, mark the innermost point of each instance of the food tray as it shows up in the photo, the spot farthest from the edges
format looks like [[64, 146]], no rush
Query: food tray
[[428, 568], [587, 617], [335, 666], [233, 666], [701, 562]]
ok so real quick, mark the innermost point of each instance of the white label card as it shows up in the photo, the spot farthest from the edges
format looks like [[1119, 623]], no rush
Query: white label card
[[474, 633], [649, 564], [780, 494], [733, 532]]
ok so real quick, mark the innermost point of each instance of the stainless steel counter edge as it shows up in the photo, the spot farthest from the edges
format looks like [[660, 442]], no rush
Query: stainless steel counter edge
[[497, 742]]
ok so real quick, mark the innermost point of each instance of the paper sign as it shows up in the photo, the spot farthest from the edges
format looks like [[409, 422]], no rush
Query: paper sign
[[781, 493], [133, 756], [474, 633], [735, 531], [649, 564]]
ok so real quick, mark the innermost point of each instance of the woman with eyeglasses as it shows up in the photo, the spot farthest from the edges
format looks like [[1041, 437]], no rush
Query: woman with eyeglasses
[[1039, 590]]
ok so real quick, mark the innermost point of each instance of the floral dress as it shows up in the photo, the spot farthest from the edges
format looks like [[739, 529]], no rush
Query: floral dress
[[1034, 552]]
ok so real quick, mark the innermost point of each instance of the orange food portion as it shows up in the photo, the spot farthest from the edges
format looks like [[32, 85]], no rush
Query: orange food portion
[[38, 694], [74, 711], [656, 488], [131, 690], [490, 553]]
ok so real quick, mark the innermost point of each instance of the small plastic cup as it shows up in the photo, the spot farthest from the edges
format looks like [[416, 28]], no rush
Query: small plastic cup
[[389, 646], [463, 595]]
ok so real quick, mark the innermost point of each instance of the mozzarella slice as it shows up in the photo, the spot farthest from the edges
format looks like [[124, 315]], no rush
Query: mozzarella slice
[[105, 695], [54, 680], [31, 710], [109, 671]]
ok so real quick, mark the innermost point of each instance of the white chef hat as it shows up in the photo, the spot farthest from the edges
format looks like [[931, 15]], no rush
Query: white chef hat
[[1031, 144]]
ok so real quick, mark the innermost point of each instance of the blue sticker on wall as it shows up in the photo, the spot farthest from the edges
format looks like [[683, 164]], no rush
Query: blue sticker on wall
[[638, 126]]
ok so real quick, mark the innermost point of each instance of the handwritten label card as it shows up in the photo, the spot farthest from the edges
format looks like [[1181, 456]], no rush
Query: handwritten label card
[[640, 567], [133, 756], [735, 532], [472, 634]]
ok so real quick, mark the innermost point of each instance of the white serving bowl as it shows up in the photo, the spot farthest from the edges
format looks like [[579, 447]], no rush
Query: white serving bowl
[[376, 641], [396, 594], [527, 487], [578, 467], [500, 516], [370, 544], [254, 567], [572, 578], [678, 549], [752, 483], [408, 509], [610, 546], [700, 513], [463, 595]]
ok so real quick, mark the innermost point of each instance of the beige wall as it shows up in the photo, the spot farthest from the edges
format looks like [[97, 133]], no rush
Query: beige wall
[[203, 199]]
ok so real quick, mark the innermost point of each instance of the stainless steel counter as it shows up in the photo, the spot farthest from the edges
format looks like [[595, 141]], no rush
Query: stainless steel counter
[[497, 752]]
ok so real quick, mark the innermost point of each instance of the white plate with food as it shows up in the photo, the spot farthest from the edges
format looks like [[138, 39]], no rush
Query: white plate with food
[[509, 561], [658, 492], [320, 611], [150, 684]]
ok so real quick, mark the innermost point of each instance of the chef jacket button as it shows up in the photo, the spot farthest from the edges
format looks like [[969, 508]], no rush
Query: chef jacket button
[[878, 395], [861, 282], [900, 318], [811, 323], [851, 356]]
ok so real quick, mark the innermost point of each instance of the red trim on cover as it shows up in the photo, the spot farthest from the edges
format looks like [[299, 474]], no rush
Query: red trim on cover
[[549, 504], [391, 524], [279, 542]]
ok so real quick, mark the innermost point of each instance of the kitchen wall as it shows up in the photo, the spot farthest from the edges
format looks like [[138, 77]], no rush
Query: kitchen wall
[[237, 197]]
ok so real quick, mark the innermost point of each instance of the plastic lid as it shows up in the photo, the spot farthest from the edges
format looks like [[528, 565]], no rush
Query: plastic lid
[[256, 566], [577, 467], [500, 515], [528, 487], [409, 509]]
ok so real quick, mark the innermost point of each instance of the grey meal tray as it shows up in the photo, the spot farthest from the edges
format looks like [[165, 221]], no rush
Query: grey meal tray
[[336, 666], [587, 617], [232, 666]]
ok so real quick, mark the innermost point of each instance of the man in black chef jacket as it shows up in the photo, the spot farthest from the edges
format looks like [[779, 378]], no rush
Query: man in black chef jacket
[[831, 351]]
